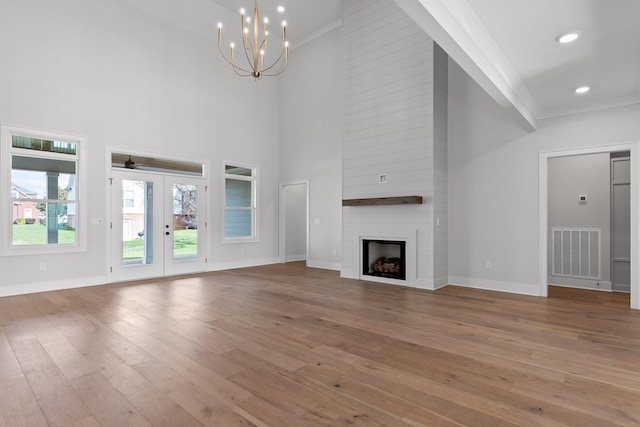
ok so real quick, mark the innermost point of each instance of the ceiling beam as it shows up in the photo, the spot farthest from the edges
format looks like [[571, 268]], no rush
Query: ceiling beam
[[456, 28]]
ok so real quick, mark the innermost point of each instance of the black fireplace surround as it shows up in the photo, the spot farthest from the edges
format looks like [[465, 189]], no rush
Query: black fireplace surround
[[384, 258]]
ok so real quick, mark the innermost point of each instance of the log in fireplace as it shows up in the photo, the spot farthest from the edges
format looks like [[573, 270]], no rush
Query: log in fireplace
[[384, 258]]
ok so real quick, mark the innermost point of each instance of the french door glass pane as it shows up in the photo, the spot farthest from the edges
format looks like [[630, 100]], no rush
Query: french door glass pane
[[137, 219], [185, 221]]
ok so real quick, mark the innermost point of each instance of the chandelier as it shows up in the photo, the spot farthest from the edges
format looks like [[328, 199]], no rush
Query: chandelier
[[255, 47]]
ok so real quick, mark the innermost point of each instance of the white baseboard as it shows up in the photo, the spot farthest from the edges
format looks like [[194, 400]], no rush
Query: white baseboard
[[294, 258], [241, 264], [494, 285], [324, 265], [30, 288], [347, 273], [569, 282], [440, 282], [417, 283], [604, 286]]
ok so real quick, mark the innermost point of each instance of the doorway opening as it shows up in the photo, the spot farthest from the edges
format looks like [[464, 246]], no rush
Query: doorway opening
[[294, 222], [582, 241]]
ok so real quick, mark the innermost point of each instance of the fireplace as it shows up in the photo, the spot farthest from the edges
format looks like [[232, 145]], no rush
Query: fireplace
[[384, 258]]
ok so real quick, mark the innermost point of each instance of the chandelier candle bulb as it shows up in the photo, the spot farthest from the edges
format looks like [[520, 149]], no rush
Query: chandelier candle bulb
[[255, 44]]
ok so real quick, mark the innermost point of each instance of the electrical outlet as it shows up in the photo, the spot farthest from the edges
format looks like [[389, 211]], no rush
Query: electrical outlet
[[335, 252], [488, 265], [43, 266]]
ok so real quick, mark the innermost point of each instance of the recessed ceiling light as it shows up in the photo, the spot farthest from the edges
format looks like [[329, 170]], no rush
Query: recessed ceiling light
[[567, 38], [582, 89], [280, 9]]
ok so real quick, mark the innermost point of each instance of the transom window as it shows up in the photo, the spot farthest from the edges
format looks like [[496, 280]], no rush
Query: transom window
[[45, 209], [240, 202]]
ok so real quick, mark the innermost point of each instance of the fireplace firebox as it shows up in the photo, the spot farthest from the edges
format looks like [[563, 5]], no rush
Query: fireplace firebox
[[384, 258]]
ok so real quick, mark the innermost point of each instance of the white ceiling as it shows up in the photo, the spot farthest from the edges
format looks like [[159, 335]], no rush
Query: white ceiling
[[507, 46], [605, 57], [305, 18], [518, 38]]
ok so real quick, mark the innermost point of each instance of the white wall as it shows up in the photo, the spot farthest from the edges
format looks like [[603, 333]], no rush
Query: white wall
[[570, 177], [493, 182], [440, 186], [124, 77], [389, 128], [310, 140]]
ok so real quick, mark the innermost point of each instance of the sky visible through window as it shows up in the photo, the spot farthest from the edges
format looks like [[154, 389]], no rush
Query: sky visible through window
[[36, 181]]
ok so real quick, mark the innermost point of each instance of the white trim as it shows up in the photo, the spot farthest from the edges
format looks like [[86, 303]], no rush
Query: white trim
[[206, 177], [81, 202], [241, 264], [494, 285], [335, 266], [254, 179], [30, 288], [407, 234], [440, 282], [544, 156], [282, 220], [294, 258], [596, 106], [584, 284], [455, 27]]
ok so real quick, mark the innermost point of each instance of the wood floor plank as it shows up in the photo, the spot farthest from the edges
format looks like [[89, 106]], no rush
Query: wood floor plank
[[18, 405], [109, 407], [54, 394], [9, 366], [285, 345]]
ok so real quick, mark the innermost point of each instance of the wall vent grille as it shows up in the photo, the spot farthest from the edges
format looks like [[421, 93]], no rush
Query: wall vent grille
[[576, 252]]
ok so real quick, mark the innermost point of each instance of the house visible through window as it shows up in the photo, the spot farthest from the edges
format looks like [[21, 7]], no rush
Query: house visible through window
[[128, 198], [240, 202], [43, 185]]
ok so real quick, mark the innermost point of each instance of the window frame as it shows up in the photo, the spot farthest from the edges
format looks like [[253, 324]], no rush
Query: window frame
[[7, 151], [255, 237]]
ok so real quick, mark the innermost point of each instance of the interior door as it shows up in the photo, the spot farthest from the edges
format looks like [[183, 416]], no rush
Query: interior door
[[157, 225]]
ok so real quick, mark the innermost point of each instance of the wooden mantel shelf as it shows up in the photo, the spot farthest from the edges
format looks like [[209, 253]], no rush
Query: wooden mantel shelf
[[381, 201]]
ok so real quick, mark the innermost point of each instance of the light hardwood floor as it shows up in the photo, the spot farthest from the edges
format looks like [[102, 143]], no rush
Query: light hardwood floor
[[283, 345]]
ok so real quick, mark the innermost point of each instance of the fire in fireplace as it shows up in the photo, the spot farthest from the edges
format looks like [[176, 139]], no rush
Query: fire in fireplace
[[384, 258]]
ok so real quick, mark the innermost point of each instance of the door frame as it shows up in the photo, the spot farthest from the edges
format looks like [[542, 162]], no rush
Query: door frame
[[543, 178], [206, 176], [282, 254]]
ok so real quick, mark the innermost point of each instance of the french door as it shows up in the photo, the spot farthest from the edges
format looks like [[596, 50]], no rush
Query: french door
[[157, 225]]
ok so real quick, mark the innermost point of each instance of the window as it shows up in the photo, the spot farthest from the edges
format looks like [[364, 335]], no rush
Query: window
[[128, 198], [240, 202], [44, 181]]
